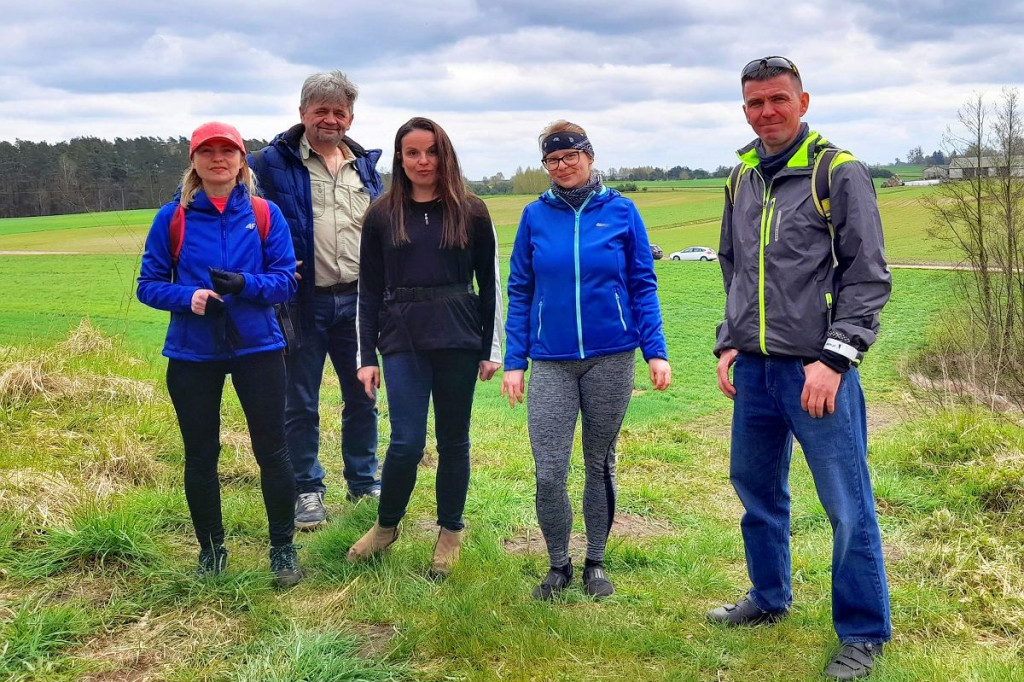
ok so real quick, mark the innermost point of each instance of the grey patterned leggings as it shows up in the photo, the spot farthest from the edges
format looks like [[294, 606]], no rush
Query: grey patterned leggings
[[600, 389]]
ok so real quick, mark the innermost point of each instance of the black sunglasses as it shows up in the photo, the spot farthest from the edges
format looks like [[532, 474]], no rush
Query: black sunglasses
[[774, 61]]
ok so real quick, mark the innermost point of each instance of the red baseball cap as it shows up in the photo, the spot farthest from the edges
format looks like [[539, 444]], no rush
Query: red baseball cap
[[215, 130]]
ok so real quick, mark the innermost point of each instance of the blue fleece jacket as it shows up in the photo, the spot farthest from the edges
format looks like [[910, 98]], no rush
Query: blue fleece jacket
[[228, 241], [581, 283]]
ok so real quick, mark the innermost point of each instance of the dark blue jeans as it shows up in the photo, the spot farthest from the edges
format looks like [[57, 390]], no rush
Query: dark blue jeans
[[333, 334], [411, 379], [766, 416], [196, 389]]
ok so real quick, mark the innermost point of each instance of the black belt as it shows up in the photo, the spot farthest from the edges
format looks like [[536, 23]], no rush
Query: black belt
[[407, 294], [339, 288]]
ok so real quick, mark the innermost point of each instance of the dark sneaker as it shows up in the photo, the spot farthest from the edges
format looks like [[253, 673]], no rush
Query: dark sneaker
[[284, 564], [743, 612], [853, 660], [368, 494], [310, 512], [596, 583], [553, 583], [213, 560]]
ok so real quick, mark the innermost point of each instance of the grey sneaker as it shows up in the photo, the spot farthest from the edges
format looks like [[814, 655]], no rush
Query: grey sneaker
[[368, 494], [284, 564], [213, 560], [309, 511], [853, 660], [743, 612]]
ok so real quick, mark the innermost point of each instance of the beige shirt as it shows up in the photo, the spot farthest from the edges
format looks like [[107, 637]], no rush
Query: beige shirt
[[339, 203]]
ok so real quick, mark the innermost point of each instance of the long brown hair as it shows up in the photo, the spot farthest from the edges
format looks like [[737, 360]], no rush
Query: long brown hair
[[452, 188]]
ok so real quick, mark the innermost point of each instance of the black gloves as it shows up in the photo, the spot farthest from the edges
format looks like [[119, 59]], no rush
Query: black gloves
[[214, 306], [225, 282]]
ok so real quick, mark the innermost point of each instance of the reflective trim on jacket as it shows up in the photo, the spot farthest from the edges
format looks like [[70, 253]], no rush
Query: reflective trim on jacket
[[785, 294], [581, 283]]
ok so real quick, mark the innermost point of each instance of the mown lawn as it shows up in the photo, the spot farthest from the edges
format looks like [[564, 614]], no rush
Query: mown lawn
[[96, 553]]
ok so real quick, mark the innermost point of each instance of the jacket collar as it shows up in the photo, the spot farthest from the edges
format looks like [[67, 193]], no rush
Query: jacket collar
[[606, 194], [291, 140], [802, 157]]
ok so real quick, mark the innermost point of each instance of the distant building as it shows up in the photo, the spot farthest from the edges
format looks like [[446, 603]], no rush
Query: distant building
[[935, 173], [962, 167]]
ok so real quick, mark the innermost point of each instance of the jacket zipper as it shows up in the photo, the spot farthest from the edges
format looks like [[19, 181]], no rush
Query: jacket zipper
[[540, 317], [618, 304], [765, 235], [828, 307], [576, 267]]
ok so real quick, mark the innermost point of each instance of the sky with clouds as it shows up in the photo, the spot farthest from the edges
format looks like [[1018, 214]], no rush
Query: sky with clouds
[[655, 82]]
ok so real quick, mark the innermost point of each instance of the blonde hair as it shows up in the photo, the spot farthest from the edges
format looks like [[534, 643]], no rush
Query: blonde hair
[[560, 126], [191, 183]]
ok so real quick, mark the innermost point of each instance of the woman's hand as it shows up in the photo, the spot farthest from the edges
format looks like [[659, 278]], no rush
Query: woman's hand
[[487, 369], [661, 373], [512, 385], [369, 377], [200, 301]]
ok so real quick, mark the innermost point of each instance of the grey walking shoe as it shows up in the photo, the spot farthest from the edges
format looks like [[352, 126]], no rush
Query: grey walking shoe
[[853, 660], [284, 564], [310, 512], [213, 560], [368, 494], [554, 582], [744, 612]]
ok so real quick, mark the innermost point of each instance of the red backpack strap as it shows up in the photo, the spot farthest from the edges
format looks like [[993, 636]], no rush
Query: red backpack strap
[[177, 233], [261, 210]]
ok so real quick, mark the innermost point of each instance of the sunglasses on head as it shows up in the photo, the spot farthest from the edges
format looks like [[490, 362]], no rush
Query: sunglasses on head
[[774, 61]]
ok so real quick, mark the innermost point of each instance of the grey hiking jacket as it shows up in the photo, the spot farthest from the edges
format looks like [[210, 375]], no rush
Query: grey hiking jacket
[[791, 288]]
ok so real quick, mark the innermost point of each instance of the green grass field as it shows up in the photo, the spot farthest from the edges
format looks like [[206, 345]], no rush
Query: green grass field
[[675, 218], [96, 550]]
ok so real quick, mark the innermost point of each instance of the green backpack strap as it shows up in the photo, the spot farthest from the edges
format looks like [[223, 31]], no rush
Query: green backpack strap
[[733, 182], [826, 158]]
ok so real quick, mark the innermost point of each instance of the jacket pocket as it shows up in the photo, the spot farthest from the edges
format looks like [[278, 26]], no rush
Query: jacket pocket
[[540, 317], [618, 306]]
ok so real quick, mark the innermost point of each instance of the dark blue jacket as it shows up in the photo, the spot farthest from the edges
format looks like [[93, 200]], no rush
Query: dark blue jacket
[[283, 179], [581, 283], [229, 241]]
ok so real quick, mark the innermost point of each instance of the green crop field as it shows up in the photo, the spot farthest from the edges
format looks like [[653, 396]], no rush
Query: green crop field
[[675, 219], [97, 553]]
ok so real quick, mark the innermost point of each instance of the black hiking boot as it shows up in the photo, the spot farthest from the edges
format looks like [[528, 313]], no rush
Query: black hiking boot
[[213, 560], [284, 564]]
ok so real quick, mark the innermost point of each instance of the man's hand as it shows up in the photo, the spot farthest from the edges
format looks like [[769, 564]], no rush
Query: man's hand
[[225, 282], [298, 264], [821, 383], [661, 373], [725, 361], [487, 369], [512, 385], [369, 377], [201, 302]]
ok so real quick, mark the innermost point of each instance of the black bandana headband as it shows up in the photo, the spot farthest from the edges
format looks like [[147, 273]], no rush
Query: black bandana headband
[[566, 140]]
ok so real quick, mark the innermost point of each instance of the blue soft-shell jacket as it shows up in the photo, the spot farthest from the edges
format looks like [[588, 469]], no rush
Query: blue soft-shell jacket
[[228, 241], [581, 282]]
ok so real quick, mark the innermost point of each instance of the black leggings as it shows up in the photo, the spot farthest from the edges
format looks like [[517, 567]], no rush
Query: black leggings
[[196, 389]]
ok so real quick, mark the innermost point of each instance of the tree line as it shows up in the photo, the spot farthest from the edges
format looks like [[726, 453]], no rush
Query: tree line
[[89, 174]]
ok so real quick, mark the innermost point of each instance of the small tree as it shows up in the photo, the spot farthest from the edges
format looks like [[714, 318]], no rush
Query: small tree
[[982, 216]]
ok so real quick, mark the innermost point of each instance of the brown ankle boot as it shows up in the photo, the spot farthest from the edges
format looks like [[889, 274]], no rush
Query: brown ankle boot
[[376, 540], [446, 552]]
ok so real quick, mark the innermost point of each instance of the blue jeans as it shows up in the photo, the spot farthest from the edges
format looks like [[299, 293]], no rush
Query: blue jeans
[[766, 416], [333, 333], [411, 378]]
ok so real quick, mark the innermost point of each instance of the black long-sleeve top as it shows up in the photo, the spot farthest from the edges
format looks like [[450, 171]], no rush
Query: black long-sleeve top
[[440, 316]]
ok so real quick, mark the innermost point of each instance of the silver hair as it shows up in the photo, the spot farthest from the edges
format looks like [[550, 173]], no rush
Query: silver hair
[[329, 87]]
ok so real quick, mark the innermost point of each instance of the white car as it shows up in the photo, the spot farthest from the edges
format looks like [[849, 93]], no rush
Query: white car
[[695, 253]]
